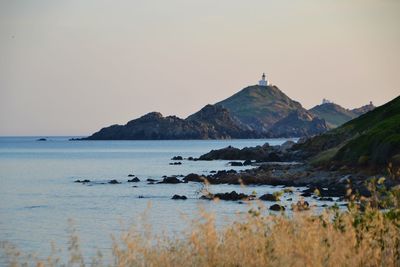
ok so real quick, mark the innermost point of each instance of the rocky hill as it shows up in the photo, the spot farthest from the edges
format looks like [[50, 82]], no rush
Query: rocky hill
[[335, 115], [260, 106], [211, 122], [298, 123]]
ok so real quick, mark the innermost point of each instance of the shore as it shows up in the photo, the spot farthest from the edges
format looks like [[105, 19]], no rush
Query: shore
[[280, 165]]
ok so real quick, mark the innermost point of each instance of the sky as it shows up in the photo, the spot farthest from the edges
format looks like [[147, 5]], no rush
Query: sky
[[73, 67]]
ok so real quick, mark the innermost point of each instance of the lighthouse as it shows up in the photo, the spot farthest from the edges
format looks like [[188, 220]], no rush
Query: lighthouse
[[263, 81]]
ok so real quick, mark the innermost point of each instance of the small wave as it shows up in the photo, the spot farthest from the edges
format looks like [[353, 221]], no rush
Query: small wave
[[35, 207]]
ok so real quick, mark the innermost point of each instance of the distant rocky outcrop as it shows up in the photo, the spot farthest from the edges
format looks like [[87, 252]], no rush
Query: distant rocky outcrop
[[335, 115], [223, 122], [264, 153], [364, 109], [298, 123], [211, 122]]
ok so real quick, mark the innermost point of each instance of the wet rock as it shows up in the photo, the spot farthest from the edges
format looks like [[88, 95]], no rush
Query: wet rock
[[224, 172], [134, 180], [213, 171], [177, 158], [247, 162], [170, 180], [277, 207], [151, 180], [135, 186], [192, 177], [232, 153], [175, 163], [82, 181], [178, 197], [325, 199], [232, 196], [41, 139], [190, 158], [150, 183], [235, 163], [113, 182], [269, 197], [131, 175]]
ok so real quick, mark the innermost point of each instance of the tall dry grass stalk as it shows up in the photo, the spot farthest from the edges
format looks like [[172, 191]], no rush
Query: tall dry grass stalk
[[303, 240]]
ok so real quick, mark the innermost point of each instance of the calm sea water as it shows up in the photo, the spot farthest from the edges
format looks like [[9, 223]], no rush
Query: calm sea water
[[38, 195]]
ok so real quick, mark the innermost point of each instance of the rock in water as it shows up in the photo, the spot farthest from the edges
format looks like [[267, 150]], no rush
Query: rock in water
[[277, 207], [192, 177], [232, 196], [170, 180], [178, 197], [269, 197]]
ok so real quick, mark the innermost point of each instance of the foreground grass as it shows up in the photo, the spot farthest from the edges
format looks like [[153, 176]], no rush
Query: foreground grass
[[362, 236]]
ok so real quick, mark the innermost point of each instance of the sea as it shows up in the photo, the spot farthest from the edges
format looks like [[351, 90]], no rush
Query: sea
[[40, 204]]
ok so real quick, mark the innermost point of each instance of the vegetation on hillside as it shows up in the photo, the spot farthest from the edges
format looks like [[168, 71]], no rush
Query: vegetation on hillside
[[333, 114], [260, 105], [372, 139]]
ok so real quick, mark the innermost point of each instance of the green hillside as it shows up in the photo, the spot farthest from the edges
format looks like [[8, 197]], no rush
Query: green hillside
[[260, 106], [333, 114], [373, 138]]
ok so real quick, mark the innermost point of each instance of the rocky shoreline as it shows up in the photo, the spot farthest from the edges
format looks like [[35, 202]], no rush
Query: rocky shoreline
[[282, 165], [285, 166]]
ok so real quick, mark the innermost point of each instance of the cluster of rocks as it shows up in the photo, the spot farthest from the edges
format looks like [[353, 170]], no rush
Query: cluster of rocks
[[82, 181], [232, 196], [264, 153]]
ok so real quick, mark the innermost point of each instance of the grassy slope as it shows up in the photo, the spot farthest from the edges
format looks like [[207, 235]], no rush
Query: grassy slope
[[268, 104], [333, 114], [373, 138]]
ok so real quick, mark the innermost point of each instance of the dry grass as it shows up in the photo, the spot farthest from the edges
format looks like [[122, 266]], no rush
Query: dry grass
[[352, 238]]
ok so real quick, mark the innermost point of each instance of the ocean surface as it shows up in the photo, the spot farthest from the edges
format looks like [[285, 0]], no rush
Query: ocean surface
[[38, 195]]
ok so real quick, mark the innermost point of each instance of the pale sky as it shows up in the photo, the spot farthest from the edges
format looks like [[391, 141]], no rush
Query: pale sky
[[71, 67]]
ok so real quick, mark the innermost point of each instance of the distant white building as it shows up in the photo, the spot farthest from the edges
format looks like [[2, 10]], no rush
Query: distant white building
[[263, 81], [326, 101]]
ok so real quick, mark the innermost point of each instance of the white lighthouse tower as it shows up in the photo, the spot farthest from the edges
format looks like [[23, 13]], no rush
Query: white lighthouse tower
[[263, 81]]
